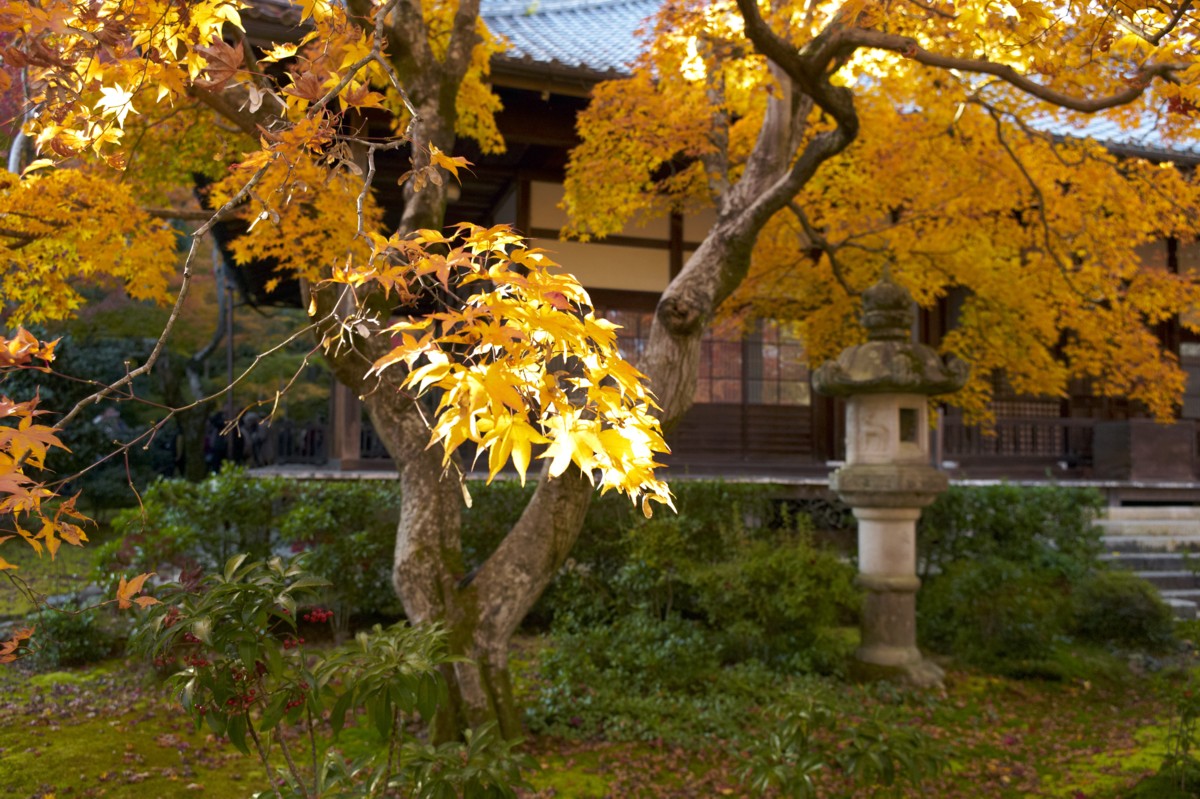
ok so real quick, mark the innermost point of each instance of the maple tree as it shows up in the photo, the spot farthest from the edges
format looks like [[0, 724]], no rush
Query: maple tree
[[513, 360], [944, 138], [37, 515]]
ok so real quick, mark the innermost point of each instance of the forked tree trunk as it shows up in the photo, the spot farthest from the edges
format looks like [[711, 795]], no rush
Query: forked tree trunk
[[481, 611]]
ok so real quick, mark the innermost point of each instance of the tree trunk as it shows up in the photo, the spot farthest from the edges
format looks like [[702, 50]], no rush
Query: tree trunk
[[482, 610], [671, 360]]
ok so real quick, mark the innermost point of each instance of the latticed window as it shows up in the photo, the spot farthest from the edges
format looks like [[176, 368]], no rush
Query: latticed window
[[764, 366]]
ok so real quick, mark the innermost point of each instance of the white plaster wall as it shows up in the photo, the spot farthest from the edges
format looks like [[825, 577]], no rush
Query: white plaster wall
[[607, 266]]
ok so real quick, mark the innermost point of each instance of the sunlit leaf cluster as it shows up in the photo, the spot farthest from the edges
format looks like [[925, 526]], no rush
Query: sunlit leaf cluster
[[523, 365], [61, 227], [89, 62], [27, 504]]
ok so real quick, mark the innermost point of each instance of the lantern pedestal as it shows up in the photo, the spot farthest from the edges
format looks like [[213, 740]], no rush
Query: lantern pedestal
[[887, 478]]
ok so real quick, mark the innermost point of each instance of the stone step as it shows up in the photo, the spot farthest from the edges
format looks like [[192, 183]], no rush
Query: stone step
[[1190, 594], [1156, 543], [1151, 543], [1184, 609], [1162, 527], [1149, 561], [1152, 513], [1171, 580]]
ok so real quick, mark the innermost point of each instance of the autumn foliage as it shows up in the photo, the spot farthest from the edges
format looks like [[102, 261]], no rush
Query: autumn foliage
[[965, 164]]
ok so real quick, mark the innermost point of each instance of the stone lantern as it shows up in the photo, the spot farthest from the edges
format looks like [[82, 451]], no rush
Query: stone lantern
[[887, 477]]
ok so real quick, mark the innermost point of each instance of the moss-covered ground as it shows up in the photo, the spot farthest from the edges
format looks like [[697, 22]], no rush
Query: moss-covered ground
[[112, 731], [108, 732], [1005, 738], [68, 571]]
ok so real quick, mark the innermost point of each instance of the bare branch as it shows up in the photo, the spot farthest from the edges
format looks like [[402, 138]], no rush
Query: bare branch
[[185, 214], [175, 310], [929, 9]]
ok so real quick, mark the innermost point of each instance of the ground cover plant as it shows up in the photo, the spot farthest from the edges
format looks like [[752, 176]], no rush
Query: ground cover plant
[[112, 731]]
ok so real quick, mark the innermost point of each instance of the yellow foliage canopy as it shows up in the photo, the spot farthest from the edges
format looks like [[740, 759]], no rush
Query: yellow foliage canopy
[[950, 177]]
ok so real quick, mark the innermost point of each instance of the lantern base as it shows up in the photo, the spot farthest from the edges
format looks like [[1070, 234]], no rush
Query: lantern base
[[916, 671]]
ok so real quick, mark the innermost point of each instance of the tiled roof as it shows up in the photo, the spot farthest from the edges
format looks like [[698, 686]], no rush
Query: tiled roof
[[1149, 139], [595, 36]]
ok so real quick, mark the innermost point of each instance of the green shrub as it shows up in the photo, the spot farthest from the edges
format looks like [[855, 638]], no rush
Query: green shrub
[[1048, 528], [638, 651], [773, 597], [1120, 609], [753, 591], [995, 613], [576, 698], [196, 526], [349, 529], [1012, 573], [69, 637], [724, 533], [681, 626]]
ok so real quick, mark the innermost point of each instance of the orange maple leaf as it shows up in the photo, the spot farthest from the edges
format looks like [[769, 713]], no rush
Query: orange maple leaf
[[127, 589], [8, 649]]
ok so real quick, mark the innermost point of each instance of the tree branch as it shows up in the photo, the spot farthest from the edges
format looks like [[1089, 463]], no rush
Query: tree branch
[[908, 47], [818, 240], [1144, 32], [185, 214], [246, 122], [175, 310]]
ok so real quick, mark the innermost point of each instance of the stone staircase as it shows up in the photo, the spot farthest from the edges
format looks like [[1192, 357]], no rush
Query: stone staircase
[[1160, 544]]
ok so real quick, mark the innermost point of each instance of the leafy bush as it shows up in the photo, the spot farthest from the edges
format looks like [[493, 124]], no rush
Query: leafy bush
[[1119, 608], [1011, 573], [638, 651], [576, 698], [680, 624], [1048, 528], [69, 637], [775, 597], [995, 613], [349, 527], [754, 592], [194, 527]]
